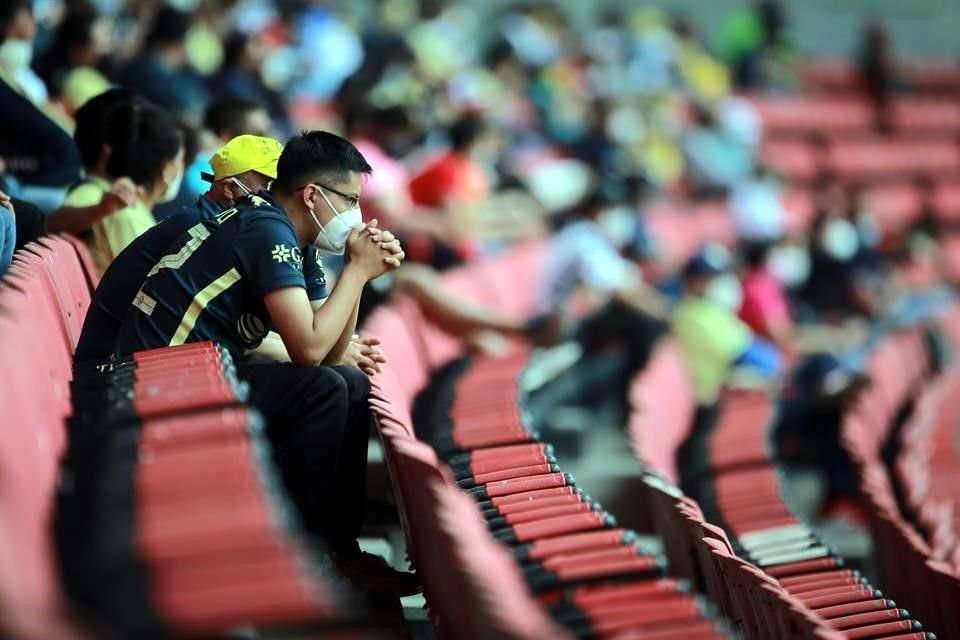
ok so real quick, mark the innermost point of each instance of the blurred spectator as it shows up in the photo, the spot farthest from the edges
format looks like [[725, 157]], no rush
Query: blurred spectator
[[8, 232], [35, 143], [241, 78], [878, 71], [711, 336], [19, 30], [70, 66], [770, 267], [756, 204], [224, 120], [812, 407], [97, 195], [147, 146], [716, 160], [755, 44], [159, 72], [455, 176], [843, 272], [30, 221]]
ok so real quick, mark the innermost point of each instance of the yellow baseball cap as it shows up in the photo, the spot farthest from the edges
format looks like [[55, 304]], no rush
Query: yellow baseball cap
[[245, 153]]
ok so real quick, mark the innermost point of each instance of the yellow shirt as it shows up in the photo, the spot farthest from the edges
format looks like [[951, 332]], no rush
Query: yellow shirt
[[88, 193], [113, 233], [711, 339]]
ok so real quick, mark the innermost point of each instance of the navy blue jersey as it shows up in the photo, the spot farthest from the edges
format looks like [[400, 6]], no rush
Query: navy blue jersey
[[211, 281], [123, 278]]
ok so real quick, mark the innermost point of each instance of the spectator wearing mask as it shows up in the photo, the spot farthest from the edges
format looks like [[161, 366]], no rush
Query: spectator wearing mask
[[35, 142], [838, 284], [245, 165], [714, 342], [234, 277], [586, 255], [224, 120], [147, 146], [711, 336], [70, 66], [96, 195]]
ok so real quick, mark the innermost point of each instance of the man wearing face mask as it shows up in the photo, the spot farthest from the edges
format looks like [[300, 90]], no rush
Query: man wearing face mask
[[713, 342], [35, 142], [713, 339], [234, 277], [243, 166]]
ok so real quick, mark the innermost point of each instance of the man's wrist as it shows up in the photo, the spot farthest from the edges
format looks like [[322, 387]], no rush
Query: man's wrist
[[353, 270]]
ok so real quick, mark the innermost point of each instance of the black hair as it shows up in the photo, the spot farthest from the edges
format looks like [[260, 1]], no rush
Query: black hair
[[317, 155], [93, 122], [228, 117], [465, 131], [169, 26], [755, 252], [8, 11], [75, 31], [383, 118], [143, 139]]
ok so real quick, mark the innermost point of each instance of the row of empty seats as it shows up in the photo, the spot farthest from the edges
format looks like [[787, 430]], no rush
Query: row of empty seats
[[794, 578], [906, 470], [790, 116], [563, 566], [839, 76]]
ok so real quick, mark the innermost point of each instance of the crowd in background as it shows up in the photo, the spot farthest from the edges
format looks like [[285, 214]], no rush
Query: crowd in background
[[481, 132]]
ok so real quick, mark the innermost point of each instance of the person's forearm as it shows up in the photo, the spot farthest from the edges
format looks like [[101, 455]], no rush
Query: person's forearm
[[336, 354], [74, 220], [330, 320], [272, 347]]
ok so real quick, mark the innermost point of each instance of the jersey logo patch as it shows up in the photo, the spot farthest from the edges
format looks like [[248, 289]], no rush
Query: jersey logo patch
[[281, 253], [292, 255]]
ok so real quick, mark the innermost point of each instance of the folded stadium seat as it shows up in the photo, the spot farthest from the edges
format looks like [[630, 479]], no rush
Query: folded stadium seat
[[932, 76], [661, 395], [894, 206], [880, 159], [785, 116], [797, 160], [946, 201], [32, 604], [90, 272], [799, 207], [835, 76], [925, 115]]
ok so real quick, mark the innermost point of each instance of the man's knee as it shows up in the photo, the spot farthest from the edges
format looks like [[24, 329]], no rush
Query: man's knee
[[356, 381]]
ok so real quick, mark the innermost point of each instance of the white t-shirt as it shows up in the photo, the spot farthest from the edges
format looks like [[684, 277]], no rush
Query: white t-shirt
[[581, 255]]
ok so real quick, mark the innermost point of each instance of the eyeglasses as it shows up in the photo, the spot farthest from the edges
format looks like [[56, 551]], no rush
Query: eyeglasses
[[352, 200]]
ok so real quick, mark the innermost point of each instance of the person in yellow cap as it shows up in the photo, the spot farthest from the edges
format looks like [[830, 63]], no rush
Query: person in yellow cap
[[243, 166]]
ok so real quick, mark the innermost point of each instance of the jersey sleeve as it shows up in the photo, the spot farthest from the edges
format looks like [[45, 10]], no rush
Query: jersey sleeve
[[314, 275], [269, 256]]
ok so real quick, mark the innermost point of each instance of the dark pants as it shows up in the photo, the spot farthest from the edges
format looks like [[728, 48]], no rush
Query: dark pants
[[318, 422]]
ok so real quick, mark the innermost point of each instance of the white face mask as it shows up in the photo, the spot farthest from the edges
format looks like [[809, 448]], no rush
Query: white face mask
[[173, 188], [15, 54], [618, 224], [725, 291], [333, 237], [839, 239], [790, 265]]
